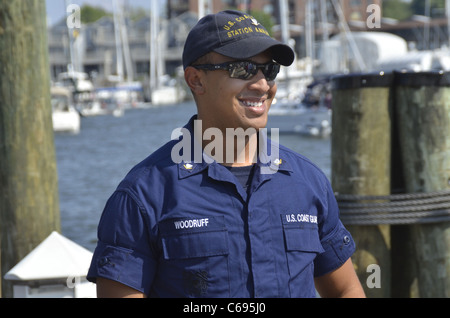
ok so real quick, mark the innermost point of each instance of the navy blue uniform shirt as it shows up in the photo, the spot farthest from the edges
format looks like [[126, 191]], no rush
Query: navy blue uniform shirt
[[191, 230]]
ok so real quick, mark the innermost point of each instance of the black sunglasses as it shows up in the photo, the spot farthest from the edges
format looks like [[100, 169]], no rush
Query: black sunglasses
[[244, 69]]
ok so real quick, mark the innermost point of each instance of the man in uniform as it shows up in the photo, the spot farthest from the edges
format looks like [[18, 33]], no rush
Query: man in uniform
[[235, 221]]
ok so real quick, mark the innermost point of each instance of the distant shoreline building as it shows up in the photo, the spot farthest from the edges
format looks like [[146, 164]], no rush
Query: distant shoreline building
[[94, 46], [94, 50]]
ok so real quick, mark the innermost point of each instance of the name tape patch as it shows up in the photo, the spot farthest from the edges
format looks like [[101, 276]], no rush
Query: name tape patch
[[300, 218], [175, 226], [189, 224]]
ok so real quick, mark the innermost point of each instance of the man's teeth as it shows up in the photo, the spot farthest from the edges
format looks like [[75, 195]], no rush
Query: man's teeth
[[253, 104]]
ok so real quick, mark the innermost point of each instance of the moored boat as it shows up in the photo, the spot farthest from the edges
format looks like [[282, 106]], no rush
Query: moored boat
[[64, 115]]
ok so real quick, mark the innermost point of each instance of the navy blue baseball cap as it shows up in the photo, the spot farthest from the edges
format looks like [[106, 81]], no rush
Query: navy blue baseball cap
[[233, 34]]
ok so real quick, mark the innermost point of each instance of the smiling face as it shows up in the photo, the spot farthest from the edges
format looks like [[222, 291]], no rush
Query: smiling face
[[225, 102]]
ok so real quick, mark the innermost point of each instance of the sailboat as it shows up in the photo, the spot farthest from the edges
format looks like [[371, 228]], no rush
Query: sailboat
[[163, 89], [122, 92], [289, 113], [74, 81]]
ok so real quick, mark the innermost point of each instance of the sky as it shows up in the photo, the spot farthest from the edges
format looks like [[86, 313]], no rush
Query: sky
[[56, 9]]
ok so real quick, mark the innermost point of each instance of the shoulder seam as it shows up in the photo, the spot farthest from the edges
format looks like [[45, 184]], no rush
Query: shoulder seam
[[309, 162]]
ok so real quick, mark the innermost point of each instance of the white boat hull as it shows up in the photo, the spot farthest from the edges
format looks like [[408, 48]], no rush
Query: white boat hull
[[309, 121], [66, 121], [167, 95]]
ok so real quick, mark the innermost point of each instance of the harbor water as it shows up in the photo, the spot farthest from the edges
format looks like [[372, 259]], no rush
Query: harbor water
[[92, 163]]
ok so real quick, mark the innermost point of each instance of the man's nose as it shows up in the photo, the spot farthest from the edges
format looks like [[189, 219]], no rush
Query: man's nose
[[260, 82]]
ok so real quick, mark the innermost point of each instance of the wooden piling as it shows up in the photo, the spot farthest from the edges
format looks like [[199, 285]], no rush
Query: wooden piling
[[29, 209], [423, 110], [361, 153]]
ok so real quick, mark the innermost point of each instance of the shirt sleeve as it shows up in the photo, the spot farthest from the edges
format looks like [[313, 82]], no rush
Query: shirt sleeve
[[336, 240], [124, 253]]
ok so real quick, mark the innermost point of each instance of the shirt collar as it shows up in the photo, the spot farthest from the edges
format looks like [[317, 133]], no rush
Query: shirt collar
[[270, 159]]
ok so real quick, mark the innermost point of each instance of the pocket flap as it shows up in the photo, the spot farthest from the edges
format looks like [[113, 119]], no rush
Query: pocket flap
[[199, 238], [302, 239]]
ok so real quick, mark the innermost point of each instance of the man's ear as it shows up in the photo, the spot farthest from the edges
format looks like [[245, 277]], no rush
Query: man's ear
[[194, 79]]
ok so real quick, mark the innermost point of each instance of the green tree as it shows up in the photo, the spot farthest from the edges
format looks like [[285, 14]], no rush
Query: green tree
[[91, 14], [265, 19], [135, 14], [397, 9]]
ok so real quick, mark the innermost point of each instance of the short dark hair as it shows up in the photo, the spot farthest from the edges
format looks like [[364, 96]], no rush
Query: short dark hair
[[205, 59]]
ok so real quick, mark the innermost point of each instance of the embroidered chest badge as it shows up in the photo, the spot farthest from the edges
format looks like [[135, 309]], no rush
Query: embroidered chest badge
[[278, 162], [196, 283]]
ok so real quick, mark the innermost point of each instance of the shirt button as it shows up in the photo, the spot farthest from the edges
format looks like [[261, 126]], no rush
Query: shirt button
[[103, 261], [346, 240]]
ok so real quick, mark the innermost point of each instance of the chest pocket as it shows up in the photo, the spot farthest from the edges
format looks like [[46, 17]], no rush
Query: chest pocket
[[302, 245], [194, 257]]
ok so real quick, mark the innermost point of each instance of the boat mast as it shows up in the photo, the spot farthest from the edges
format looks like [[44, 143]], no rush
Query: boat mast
[[426, 26], [153, 44], [285, 35], [284, 21], [119, 53], [309, 36], [126, 45], [71, 64], [348, 35], [324, 18], [447, 10], [204, 8]]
